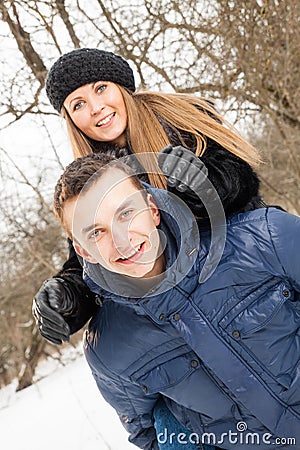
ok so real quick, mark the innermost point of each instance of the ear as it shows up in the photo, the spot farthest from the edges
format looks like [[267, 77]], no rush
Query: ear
[[84, 254], [154, 210]]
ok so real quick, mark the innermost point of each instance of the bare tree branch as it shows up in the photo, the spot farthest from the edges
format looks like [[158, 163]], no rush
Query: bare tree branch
[[23, 40]]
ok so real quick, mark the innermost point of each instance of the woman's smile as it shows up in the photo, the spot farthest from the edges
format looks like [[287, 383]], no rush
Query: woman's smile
[[106, 120]]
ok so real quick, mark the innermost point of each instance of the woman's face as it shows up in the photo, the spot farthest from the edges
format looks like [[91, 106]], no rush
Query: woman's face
[[99, 111]]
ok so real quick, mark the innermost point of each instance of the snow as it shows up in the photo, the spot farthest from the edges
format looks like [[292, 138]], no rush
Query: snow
[[63, 411]]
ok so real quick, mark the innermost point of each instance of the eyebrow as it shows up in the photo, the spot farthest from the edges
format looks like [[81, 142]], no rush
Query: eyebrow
[[73, 99], [123, 206], [90, 228], [79, 96]]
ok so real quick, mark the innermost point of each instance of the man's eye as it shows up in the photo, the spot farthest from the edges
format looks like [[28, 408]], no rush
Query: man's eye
[[95, 234], [126, 214]]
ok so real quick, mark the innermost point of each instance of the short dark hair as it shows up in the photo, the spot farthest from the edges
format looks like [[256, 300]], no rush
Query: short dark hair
[[84, 172]]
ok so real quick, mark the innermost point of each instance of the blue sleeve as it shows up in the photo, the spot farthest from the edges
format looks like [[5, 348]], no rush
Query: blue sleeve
[[134, 410], [133, 406], [284, 229]]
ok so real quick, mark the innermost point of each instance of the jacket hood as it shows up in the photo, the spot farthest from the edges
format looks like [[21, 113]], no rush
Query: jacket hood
[[179, 236]]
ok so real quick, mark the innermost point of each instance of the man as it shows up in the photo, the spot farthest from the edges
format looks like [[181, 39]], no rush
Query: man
[[222, 352]]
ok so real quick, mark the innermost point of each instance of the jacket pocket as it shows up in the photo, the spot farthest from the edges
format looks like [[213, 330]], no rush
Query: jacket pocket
[[265, 328], [255, 310], [167, 374]]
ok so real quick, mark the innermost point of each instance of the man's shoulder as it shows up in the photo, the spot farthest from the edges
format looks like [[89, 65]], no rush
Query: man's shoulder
[[266, 228], [260, 215]]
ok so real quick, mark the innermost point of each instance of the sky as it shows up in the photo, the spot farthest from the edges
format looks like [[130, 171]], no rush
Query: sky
[[62, 411]]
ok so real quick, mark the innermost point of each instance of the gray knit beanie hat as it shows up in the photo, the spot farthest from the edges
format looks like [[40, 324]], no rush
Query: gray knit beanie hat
[[83, 66]]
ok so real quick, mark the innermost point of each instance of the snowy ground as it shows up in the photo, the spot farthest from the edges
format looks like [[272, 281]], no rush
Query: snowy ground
[[62, 411]]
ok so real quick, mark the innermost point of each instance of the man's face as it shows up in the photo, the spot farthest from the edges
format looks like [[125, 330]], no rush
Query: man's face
[[114, 225]]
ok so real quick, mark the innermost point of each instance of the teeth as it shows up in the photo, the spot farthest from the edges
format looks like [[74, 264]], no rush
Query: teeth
[[134, 251], [105, 121]]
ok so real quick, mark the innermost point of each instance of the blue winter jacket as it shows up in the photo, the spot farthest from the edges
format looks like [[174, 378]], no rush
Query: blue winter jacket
[[225, 352]]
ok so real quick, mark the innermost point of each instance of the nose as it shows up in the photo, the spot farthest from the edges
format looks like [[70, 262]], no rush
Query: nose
[[122, 239], [95, 107]]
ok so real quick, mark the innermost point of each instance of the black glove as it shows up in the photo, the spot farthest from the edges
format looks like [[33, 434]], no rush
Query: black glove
[[185, 174], [229, 176], [50, 302], [61, 300]]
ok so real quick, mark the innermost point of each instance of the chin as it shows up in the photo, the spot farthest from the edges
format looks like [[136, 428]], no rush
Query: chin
[[145, 273]]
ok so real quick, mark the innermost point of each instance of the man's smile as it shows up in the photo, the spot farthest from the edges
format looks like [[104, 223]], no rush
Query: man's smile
[[135, 254]]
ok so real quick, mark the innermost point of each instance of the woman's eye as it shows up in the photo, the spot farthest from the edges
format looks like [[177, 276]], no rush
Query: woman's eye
[[100, 88], [77, 106]]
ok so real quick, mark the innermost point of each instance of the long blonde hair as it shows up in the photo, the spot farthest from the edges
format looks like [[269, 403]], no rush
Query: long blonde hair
[[181, 112]]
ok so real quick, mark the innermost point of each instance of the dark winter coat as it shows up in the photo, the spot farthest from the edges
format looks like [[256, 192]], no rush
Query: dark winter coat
[[224, 352]]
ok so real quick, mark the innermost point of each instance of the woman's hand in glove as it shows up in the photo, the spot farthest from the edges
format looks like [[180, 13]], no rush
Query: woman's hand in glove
[[185, 174], [51, 302]]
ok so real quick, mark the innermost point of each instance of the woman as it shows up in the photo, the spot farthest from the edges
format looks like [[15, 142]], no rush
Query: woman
[[94, 91]]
